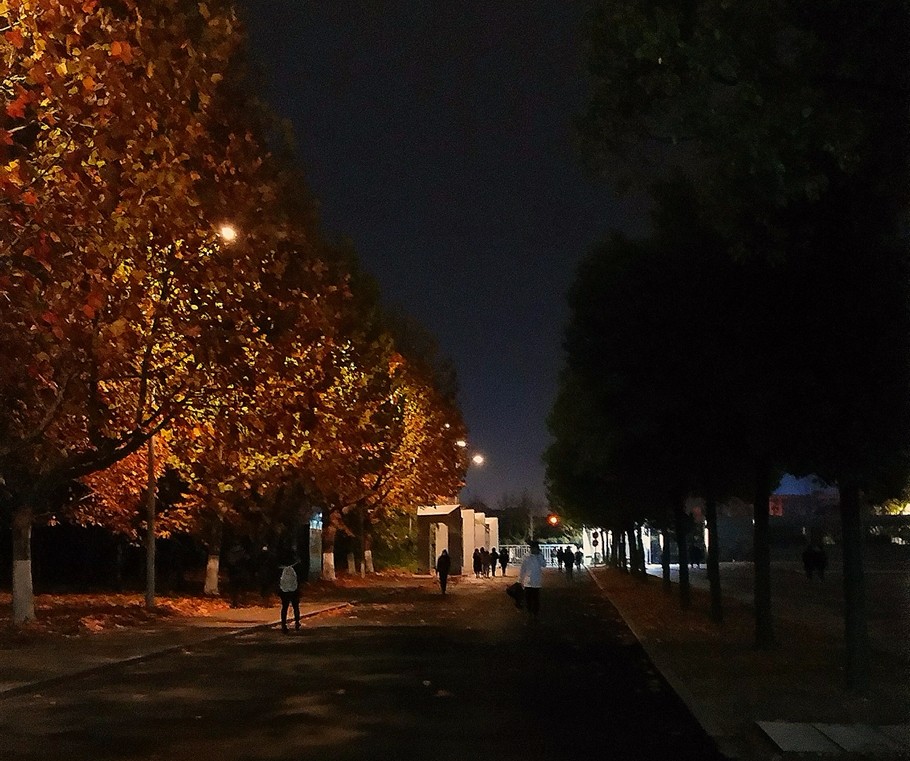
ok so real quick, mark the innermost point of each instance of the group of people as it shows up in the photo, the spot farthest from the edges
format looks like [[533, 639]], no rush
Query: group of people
[[568, 559], [484, 562]]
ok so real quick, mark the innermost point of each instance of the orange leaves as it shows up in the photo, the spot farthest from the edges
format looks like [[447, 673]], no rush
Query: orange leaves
[[16, 108], [122, 50], [14, 37]]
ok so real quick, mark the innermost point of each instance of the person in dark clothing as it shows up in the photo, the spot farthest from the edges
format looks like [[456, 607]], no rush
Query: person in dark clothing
[[568, 560], [494, 559], [503, 559], [289, 591], [443, 566], [477, 563], [579, 559], [560, 554], [814, 559]]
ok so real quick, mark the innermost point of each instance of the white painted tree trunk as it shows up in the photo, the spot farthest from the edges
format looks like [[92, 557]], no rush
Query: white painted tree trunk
[[352, 564], [368, 561], [23, 591], [211, 575], [328, 566]]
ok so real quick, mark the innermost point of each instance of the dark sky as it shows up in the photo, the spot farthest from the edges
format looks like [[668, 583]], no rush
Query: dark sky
[[437, 136]]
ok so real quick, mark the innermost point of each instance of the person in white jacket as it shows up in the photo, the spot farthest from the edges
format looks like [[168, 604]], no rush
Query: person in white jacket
[[531, 579]]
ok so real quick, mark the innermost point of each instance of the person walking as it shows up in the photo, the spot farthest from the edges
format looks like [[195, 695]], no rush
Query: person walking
[[494, 559], [475, 558], [503, 559], [568, 560], [289, 592], [443, 566], [484, 562], [531, 579]]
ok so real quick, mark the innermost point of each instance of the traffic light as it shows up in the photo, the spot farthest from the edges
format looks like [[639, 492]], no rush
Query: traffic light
[[553, 520]]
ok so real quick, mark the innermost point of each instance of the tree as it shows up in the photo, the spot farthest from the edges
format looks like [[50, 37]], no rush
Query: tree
[[792, 117], [118, 162]]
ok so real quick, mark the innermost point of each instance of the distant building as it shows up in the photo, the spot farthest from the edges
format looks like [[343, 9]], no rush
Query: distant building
[[456, 528]]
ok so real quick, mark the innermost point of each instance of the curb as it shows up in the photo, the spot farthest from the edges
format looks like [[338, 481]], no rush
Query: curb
[[100, 668], [662, 664]]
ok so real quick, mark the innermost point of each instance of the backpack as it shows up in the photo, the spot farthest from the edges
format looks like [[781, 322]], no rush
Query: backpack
[[288, 582]]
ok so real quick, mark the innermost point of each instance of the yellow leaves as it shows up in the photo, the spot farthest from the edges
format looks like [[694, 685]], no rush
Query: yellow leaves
[[118, 327], [88, 83], [122, 273]]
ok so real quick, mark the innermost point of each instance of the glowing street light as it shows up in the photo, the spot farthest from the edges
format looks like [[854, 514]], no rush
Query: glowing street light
[[478, 459], [461, 443], [228, 233]]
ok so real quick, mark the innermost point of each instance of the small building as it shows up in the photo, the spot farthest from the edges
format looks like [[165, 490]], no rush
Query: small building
[[455, 528]]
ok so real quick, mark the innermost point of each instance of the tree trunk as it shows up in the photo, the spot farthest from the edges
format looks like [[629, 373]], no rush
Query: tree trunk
[[363, 542], [118, 564], [856, 633], [212, 569], [368, 549], [213, 563], [150, 527], [764, 624], [23, 591], [642, 560], [352, 564], [635, 563], [681, 521], [665, 560], [329, 530], [717, 607]]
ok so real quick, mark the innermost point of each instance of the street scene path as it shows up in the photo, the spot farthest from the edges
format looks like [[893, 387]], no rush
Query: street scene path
[[409, 674]]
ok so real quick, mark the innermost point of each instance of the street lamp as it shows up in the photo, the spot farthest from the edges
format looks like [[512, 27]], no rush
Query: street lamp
[[478, 459], [227, 232]]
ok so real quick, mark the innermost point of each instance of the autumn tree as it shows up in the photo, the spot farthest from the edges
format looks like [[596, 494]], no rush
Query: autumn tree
[[118, 162]]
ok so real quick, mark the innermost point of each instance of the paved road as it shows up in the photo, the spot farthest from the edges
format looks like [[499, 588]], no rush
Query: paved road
[[417, 676]]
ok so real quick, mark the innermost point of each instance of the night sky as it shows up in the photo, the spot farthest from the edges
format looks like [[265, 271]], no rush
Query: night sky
[[437, 136]]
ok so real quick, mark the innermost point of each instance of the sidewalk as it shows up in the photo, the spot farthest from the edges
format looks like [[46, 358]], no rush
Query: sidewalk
[[41, 662], [786, 703]]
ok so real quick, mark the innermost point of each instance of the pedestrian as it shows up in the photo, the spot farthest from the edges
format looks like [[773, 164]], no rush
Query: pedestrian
[[484, 562], [503, 559], [560, 554], [814, 559], [568, 559], [443, 565], [579, 559], [476, 562], [289, 592], [494, 559], [531, 579]]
